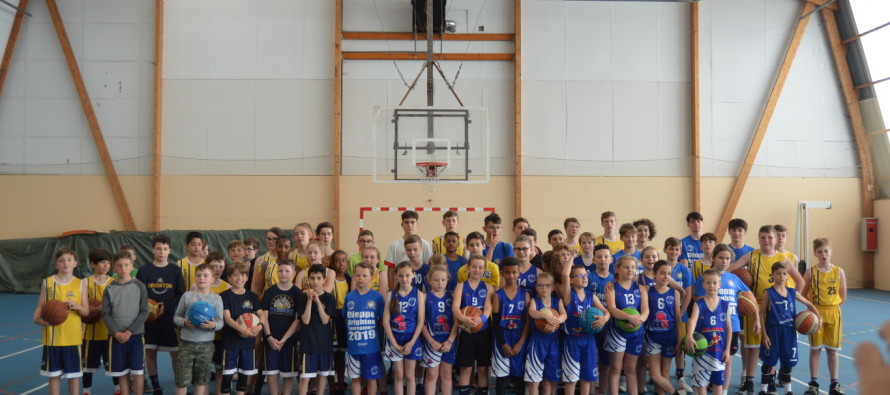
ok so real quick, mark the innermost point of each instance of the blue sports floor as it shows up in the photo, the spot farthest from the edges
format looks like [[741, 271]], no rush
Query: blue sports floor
[[20, 347]]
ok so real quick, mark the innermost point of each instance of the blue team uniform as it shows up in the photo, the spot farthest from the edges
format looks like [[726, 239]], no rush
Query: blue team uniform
[[579, 349], [543, 361], [740, 252], [419, 281], [403, 323], [501, 251], [474, 346], [512, 322], [363, 344], [597, 286], [709, 368], [780, 329], [730, 286], [661, 325], [621, 253], [453, 267], [691, 249], [683, 276], [617, 340], [439, 322], [528, 279], [643, 279]]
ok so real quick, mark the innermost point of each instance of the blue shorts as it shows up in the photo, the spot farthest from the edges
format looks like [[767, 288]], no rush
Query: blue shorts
[[579, 359], [664, 343], [432, 358], [241, 360], [618, 340], [284, 361], [542, 359], [392, 355], [365, 366], [162, 335], [61, 361], [502, 366], [783, 346], [94, 352], [316, 365], [126, 358]]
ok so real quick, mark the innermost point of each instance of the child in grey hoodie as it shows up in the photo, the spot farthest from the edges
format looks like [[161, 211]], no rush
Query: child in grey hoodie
[[196, 342], [124, 310]]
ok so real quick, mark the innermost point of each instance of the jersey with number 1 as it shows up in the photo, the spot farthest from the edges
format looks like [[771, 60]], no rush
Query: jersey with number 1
[[624, 298], [362, 313], [404, 321]]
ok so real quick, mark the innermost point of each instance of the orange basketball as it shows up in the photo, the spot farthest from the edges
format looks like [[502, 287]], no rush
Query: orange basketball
[[54, 312], [248, 320], [95, 312], [155, 310], [542, 323], [471, 311], [747, 303], [744, 275], [806, 322]]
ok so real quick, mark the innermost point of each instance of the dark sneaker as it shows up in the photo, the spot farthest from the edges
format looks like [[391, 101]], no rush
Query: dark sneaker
[[835, 389], [812, 388], [746, 389]]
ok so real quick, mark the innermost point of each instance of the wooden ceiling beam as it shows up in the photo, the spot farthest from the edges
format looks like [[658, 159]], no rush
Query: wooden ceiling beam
[[158, 117], [90, 114], [759, 133], [11, 42]]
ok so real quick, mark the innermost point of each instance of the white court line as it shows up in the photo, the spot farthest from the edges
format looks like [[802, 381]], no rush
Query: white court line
[[34, 389], [805, 385], [870, 300], [19, 352], [838, 354]]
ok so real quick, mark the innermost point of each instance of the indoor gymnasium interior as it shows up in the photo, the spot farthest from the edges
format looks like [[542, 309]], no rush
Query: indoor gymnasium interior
[[121, 120]]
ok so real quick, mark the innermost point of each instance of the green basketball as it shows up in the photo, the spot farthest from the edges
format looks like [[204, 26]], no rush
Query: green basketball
[[622, 324], [701, 344]]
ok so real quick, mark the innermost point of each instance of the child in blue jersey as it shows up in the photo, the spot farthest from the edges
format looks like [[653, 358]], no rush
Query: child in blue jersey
[[712, 318], [584, 258], [662, 338], [692, 243], [579, 348], [238, 340], [439, 333], [777, 312], [363, 307], [683, 276], [315, 308], [625, 347], [403, 322], [649, 258], [628, 235], [730, 286], [419, 268], [474, 348], [542, 362], [510, 326], [596, 284], [495, 249], [738, 229], [523, 247], [453, 259]]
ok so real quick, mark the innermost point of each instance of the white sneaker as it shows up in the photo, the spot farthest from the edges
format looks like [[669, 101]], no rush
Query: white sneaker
[[683, 384], [622, 384]]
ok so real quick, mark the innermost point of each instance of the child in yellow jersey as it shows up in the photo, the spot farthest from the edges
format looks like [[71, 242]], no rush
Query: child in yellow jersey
[[491, 274], [759, 263], [781, 239], [450, 221], [610, 235], [708, 242], [315, 254], [61, 343], [339, 263], [303, 235], [194, 246], [826, 286], [379, 278], [217, 263], [95, 335], [572, 227]]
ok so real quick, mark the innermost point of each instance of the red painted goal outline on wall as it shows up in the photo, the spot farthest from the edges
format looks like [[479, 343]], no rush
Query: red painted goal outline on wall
[[362, 210]]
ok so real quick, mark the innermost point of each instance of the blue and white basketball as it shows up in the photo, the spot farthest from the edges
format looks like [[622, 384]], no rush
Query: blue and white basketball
[[201, 312], [588, 317]]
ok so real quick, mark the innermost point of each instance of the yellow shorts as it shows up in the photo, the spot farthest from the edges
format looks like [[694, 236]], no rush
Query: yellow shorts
[[830, 335], [750, 339]]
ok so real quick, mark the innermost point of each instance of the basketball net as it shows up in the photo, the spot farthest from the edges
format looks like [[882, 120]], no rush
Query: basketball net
[[430, 172]]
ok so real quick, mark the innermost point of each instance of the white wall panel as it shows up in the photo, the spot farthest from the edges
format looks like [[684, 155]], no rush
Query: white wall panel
[[12, 117], [50, 79], [112, 80], [588, 36], [544, 131], [12, 150], [230, 121], [674, 51], [233, 36], [52, 117], [120, 118], [589, 145], [111, 42], [635, 41], [543, 41]]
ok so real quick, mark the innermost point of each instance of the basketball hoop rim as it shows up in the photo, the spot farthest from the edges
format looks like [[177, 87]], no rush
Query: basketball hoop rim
[[431, 164]]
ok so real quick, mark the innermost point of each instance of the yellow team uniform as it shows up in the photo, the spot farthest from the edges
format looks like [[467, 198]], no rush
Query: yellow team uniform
[[70, 332], [97, 330], [375, 282], [760, 266], [698, 268], [218, 289], [577, 247], [302, 261], [439, 245], [270, 275], [614, 245], [491, 275], [188, 272], [825, 294], [341, 288]]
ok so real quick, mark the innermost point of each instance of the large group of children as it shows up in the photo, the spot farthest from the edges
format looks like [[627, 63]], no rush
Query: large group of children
[[470, 306]]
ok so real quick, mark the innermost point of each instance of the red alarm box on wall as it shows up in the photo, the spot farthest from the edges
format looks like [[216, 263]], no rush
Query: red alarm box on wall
[[869, 234]]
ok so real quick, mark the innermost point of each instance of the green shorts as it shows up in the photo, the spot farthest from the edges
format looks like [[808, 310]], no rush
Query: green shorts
[[195, 360]]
